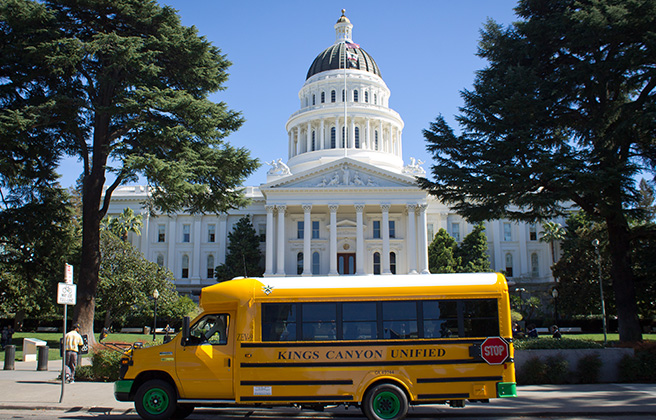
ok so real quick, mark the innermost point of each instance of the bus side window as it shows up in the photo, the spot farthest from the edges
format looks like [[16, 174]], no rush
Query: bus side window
[[212, 329]]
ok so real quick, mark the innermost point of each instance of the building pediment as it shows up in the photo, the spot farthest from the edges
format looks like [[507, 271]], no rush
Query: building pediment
[[343, 174]]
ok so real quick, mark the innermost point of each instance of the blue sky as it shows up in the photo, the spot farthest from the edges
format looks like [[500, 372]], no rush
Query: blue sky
[[425, 51]]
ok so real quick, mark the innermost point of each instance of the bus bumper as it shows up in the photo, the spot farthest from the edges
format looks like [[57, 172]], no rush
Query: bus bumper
[[122, 390], [506, 389]]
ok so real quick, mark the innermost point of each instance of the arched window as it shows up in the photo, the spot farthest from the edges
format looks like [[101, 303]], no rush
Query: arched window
[[332, 96], [210, 266], [160, 260], [535, 265], [299, 263], [375, 99], [509, 265], [316, 260], [307, 101], [314, 147], [343, 95], [376, 140], [355, 95], [332, 137], [314, 99], [185, 266], [376, 262], [357, 137], [343, 138], [366, 96], [393, 262], [323, 97]]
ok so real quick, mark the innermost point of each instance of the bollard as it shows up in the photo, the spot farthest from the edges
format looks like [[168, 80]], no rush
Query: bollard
[[42, 358], [10, 357]]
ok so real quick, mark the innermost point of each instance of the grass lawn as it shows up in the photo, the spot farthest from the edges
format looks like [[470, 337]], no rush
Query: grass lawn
[[52, 340], [612, 337]]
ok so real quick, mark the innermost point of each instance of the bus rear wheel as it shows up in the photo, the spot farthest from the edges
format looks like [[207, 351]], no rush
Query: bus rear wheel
[[385, 402], [156, 400]]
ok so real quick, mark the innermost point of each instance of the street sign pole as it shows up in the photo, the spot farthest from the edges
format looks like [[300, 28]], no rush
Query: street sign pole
[[66, 295]]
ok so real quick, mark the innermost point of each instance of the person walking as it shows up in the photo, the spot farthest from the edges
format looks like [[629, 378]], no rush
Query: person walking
[[73, 342]]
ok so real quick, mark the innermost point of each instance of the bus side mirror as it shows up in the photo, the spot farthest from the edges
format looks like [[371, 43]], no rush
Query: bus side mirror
[[185, 330]]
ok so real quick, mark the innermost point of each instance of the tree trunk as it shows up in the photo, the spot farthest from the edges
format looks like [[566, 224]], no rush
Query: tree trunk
[[108, 318], [90, 258], [622, 279]]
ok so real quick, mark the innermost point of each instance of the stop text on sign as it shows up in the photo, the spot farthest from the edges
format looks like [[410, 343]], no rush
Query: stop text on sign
[[495, 350]]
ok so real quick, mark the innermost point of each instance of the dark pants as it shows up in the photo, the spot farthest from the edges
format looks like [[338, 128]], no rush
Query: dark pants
[[71, 363]]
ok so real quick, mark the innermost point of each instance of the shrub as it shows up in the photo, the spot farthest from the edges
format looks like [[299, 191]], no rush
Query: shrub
[[557, 370], [534, 371], [555, 344], [641, 367], [105, 365], [587, 369]]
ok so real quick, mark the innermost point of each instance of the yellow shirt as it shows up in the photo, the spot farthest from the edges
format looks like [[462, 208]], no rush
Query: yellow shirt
[[73, 340]]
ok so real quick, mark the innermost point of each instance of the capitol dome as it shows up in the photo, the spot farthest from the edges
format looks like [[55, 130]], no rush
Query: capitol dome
[[332, 58]]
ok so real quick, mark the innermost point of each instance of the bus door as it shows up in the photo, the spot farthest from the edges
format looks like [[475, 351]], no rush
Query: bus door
[[205, 365]]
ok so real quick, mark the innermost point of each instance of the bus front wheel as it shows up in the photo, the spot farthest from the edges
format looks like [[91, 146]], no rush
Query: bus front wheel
[[385, 402], [156, 400]]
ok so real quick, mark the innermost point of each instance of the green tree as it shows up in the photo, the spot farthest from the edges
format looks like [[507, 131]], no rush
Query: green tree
[[123, 86], [441, 253], [124, 223], [244, 258], [563, 114], [127, 282], [552, 232], [37, 236], [472, 252]]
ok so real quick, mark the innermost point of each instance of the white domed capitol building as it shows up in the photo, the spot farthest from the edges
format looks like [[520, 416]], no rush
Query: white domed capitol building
[[343, 203]]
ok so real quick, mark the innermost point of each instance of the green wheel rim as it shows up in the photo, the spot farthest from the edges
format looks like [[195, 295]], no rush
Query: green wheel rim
[[386, 405], [155, 401]]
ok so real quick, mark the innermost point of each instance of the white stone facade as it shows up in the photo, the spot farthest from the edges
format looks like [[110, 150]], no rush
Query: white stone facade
[[347, 201]]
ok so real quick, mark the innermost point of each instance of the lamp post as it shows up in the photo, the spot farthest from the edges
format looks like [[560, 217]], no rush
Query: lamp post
[[155, 296], [521, 302], [595, 243], [554, 294]]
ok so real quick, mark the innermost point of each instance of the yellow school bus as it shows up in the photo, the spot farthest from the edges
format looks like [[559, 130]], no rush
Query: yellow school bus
[[380, 343]]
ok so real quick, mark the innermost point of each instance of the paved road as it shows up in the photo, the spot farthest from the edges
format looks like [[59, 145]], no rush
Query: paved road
[[36, 394]]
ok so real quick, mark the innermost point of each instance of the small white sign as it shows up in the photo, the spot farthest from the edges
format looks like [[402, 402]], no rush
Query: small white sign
[[68, 274], [66, 294], [261, 390]]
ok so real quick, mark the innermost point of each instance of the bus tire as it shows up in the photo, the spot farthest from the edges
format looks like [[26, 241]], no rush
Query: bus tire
[[156, 400], [385, 402]]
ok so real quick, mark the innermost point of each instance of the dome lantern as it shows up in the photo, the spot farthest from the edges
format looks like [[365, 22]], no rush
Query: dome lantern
[[343, 29]]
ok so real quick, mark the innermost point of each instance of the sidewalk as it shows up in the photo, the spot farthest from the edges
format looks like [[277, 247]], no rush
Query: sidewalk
[[27, 388]]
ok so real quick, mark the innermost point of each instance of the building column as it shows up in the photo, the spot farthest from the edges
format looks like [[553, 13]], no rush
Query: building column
[[498, 255], [307, 240], [333, 239], [524, 260], [298, 140], [195, 263], [308, 139], [145, 238], [322, 135], [368, 135], [386, 238], [172, 241], [337, 133], [359, 240], [352, 135], [269, 240], [280, 266], [423, 240], [412, 239], [222, 238]]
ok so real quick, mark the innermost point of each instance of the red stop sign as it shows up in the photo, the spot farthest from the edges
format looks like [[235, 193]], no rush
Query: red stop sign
[[494, 350]]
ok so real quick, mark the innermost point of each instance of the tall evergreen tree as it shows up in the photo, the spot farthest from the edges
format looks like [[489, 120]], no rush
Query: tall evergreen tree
[[564, 113], [123, 86], [472, 252], [441, 253], [244, 258]]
